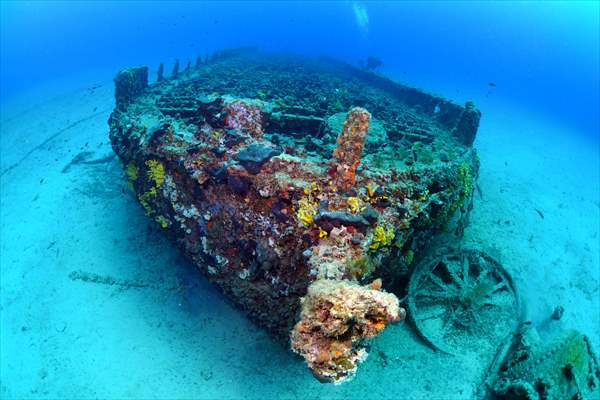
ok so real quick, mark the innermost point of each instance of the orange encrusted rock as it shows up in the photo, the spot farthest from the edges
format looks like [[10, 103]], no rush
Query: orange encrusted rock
[[350, 143], [336, 316]]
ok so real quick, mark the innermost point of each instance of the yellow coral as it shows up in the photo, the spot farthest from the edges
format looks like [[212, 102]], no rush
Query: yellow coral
[[382, 236], [314, 188], [131, 171], [156, 172], [424, 195], [307, 207], [409, 257], [371, 190], [465, 182], [306, 211], [466, 178], [162, 221], [353, 204], [144, 199]]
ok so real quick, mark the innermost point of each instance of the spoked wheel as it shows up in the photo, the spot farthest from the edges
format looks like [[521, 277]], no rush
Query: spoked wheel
[[463, 300]]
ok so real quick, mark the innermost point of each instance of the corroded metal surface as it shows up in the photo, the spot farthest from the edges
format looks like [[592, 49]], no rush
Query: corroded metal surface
[[529, 369]]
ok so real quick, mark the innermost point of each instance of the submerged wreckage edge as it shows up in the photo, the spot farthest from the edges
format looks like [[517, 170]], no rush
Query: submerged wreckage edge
[[295, 213]]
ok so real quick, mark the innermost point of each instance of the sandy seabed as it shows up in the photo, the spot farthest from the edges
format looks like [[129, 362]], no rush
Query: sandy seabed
[[96, 302]]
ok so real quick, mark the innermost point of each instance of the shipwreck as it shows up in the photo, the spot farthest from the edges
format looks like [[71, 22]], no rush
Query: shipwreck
[[308, 190]]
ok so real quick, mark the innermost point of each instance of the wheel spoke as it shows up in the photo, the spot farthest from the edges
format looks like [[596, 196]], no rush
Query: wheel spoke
[[483, 274], [500, 301], [435, 295], [498, 286], [446, 326], [465, 268], [436, 280], [432, 314], [454, 275]]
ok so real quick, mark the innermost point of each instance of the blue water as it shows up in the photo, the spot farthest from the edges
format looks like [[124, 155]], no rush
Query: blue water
[[542, 56], [539, 145]]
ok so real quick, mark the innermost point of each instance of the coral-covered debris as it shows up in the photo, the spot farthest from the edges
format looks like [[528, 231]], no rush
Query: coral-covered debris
[[467, 126], [245, 115], [565, 367], [254, 156], [129, 84], [346, 156], [336, 316]]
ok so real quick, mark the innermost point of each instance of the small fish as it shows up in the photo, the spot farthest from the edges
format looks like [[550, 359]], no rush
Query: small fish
[[95, 108], [539, 213], [492, 84]]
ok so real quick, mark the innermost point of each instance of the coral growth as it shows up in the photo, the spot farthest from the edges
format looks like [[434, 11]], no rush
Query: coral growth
[[350, 143], [334, 252], [382, 236], [129, 84], [131, 171], [146, 200], [465, 176], [245, 115], [162, 221], [361, 267], [336, 316], [156, 172], [156, 177], [306, 211], [354, 205]]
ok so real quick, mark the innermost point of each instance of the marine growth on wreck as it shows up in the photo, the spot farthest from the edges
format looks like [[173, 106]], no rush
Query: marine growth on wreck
[[298, 186]]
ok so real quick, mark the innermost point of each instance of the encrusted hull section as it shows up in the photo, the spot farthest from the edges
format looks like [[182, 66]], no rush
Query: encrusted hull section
[[269, 178], [564, 368]]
